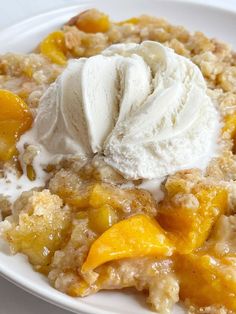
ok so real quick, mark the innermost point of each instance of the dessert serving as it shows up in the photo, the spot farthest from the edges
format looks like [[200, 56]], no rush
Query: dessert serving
[[117, 161]]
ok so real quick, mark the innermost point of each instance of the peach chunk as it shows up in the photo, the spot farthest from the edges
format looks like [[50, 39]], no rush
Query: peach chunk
[[206, 280], [83, 195], [15, 119], [230, 125], [136, 236], [53, 47], [92, 21], [208, 276], [132, 20], [188, 224], [101, 219], [41, 228], [229, 130], [135, 200]]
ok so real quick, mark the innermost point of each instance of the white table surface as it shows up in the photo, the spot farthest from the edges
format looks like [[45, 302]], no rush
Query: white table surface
[[12, 299]]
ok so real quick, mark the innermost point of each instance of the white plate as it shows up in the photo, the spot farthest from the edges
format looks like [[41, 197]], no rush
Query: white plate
[[22, 38]]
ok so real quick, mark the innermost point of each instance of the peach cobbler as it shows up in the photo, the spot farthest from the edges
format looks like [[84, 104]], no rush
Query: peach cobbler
[[117, 161]]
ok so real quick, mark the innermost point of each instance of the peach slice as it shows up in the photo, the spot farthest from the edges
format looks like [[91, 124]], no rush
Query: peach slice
[[53, 47], [187, 227], [93, 21], [137, 236], [15, 119]]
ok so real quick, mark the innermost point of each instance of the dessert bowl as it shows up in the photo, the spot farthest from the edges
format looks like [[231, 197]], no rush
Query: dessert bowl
[[25, 36]]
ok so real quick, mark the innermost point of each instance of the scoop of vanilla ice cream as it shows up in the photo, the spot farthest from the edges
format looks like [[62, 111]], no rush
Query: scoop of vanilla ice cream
[[176, 126], [143, 107]]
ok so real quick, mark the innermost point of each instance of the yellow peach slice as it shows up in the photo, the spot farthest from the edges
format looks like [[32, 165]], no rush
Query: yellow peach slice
[[15, 119], [53, 47], [93, 21], [188, 228], [137, 236]]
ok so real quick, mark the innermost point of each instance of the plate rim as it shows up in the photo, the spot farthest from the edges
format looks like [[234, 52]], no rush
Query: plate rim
[[67, 9]]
